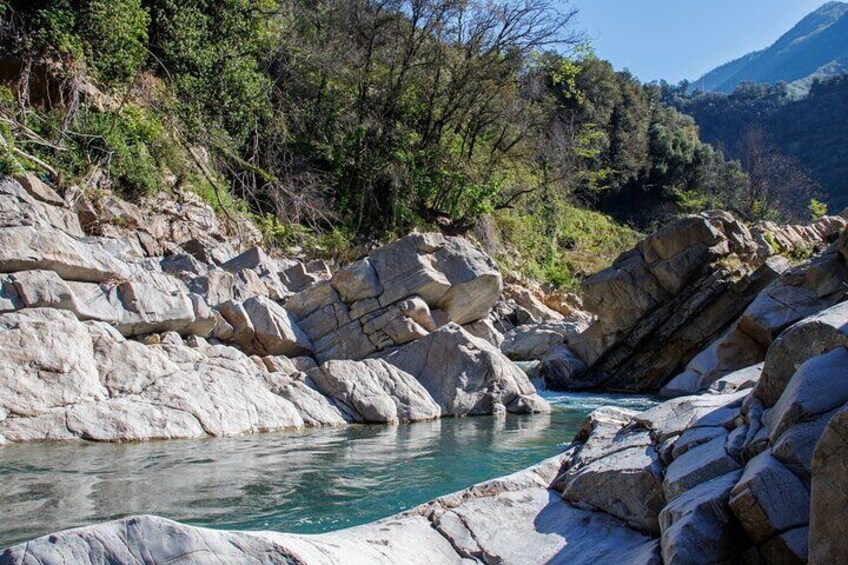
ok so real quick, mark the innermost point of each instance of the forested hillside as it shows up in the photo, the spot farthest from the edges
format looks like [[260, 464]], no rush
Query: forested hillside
[[335, 122], [816, 47], [812, 131]]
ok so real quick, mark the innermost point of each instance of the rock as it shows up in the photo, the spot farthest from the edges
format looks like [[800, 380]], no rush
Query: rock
[[38, 190], [563, 370], [789, 547], [738, 380], [794, 448], [25, 248], [528, 343], [374, 391], [485, 329], [358, 281], [625, 484], [46, 361], [262, 326], [314, 408], [820, 385], [447, 272], [812, 336], [769, 499], [463, 374], [696, 466], [693, 437], [674, 416], [123, 419], [829, 493], [697, 526]]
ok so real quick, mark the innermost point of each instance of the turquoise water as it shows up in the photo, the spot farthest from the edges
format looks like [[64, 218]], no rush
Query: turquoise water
[[309, 481]]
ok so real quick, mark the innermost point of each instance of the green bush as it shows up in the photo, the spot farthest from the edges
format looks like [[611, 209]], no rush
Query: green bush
[[115, 35]]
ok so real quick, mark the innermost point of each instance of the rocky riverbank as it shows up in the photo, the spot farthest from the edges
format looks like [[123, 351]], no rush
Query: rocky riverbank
[[161, 329]]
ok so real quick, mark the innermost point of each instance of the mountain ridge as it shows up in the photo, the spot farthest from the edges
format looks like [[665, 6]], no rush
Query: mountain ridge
[[816, 45]]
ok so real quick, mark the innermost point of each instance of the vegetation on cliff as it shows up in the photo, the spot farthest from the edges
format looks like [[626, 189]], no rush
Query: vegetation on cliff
[[336, 121]]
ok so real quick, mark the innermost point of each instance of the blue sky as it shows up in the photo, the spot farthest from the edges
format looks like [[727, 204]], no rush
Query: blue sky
[[677, 39]]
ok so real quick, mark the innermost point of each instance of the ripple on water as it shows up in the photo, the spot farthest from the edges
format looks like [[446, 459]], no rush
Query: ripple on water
[[307, 481]]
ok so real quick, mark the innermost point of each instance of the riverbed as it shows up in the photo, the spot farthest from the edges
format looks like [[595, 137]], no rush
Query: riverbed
[[307, 481]]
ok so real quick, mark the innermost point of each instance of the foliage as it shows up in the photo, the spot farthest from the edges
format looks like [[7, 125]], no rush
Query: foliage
[[811, 130], [560, 248], [817, 209]]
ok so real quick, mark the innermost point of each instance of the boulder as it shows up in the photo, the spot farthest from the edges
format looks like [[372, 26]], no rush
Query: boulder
[[263, 327], [818, 386], [464, 374], [374, 391], [794, 448], [829, 493], [812, 336], [698, 465], [485, 329], [674, 416], [698, 527], [769, 499], [563, 370], [531, 342], [626, 484], [742, 379], [358, 281], [314, 408], [24, 248], [789, 547]]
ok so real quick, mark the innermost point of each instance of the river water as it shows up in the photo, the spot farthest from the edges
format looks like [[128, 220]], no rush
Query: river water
[[307, 481]]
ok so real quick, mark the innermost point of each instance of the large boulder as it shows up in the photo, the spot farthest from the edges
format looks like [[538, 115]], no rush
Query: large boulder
[[811, 336], [829, 493], [263, 327], [697, 526], [374, 391], [818, 386], [769, 499], [626, 484], [466, 375]]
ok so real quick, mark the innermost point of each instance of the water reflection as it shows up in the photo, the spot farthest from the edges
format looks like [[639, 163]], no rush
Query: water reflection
[[309, 481]]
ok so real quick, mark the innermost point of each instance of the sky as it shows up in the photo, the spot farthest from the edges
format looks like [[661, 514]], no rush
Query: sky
[[677, 39]]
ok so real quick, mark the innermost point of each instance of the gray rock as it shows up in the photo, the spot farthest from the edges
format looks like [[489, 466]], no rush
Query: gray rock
[[358, 281], [829, 493], [528, 343], [819, 386], [374, 391], [563, 370], [697, 526], [314, 408], [485, 329], [674, 416], [794, 448], [463, 374], [626, 484], [812, 336], [693, 437], [738, 380], [789, 547], [697, 466], [769, 499]]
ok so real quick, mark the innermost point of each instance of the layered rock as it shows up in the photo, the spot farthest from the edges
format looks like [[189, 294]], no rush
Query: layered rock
[[685, 287], [400, 293]]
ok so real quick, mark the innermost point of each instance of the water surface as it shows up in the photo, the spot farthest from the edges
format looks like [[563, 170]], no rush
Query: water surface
[[307, 481]]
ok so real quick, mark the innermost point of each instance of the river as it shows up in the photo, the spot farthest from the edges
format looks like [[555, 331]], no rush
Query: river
[[307, 481]]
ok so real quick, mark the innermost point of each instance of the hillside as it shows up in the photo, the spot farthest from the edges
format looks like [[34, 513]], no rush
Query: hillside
[[812, 129], [816, 46]]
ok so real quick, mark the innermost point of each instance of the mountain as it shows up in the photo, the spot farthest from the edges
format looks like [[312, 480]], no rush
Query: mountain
[[815, 47]]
